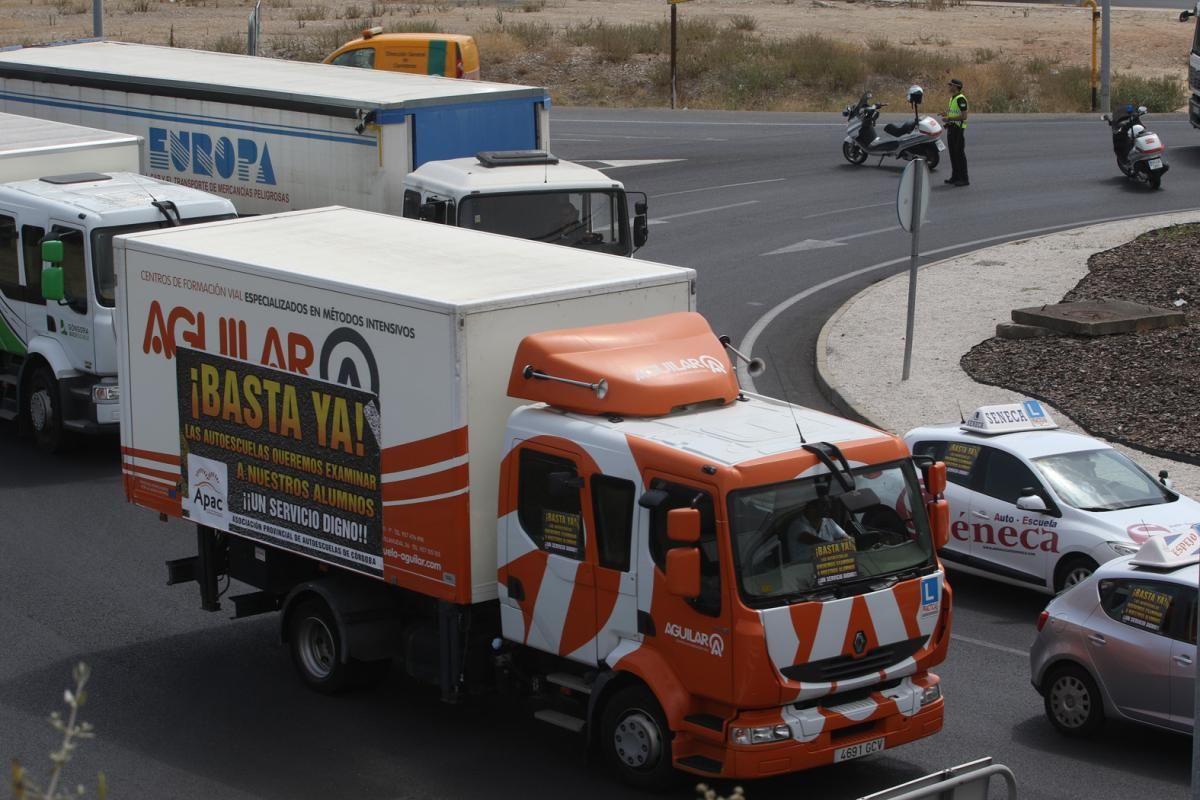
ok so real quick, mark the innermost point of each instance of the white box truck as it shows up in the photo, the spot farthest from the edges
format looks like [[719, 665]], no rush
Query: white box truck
[[274, 135], [509, 466], [66, 192]]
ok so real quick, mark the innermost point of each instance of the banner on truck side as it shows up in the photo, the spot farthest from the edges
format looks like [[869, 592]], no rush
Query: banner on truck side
[[281, 457]]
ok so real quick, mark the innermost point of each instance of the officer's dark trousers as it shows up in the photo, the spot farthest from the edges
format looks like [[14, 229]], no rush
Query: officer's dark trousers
[[958, 155]]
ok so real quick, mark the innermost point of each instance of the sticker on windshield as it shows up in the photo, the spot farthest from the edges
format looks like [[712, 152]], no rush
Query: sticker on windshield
[[931, 594], [1146, 608], [960, 458], [835, 561]]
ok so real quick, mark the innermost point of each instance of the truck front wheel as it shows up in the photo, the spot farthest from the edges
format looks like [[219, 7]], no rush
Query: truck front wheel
[[43, 411], [636, 739], [317, 649]]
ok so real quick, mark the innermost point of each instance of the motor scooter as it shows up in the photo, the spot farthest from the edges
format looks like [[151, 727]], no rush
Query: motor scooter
[[1139, 151], [920, 137]]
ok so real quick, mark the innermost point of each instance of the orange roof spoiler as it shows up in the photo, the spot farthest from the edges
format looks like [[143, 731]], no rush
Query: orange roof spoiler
[[643, 368]]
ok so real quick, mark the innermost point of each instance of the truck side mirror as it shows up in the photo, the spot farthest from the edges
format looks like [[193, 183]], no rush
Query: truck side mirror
[[53, 287], [52, 251], [934, 476], [683, 572], [683, 525], [435, 211], [641, 224], [938, 512]]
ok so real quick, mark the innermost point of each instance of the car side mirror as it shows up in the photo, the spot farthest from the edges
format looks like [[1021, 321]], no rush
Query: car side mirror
[[683, 525], [1032, 502], [683, 572], [1164, 479]]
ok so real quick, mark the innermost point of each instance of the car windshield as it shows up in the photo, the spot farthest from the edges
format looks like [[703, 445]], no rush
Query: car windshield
[[589, 219], [805, 537], [1101, 480]]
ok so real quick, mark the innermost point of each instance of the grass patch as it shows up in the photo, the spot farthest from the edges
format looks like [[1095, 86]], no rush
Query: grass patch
[[227, 43], [1156, 94], [310, 13], [743, 22], [1186, 231]]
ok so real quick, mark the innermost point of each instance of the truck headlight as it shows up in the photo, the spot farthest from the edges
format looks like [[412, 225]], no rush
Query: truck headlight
[[931, 694], [106, 393], [1123, 548], [763, 735]]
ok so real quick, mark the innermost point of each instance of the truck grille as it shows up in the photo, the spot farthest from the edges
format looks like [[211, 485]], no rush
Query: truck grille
[[844, 668]]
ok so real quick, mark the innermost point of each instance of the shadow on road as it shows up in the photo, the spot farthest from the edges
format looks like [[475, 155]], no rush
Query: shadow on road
[[1139, 750], [22, 464]]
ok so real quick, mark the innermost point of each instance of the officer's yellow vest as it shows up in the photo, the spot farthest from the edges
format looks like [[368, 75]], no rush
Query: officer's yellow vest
[[953, 116]]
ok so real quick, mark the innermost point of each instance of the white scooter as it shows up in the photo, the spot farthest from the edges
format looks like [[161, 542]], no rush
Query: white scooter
[[1139, 151], [921, 137]]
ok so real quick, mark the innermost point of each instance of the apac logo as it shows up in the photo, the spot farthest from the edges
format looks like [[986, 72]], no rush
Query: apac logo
[[691, 364], [197, 153], [207, 490], [712, 642]]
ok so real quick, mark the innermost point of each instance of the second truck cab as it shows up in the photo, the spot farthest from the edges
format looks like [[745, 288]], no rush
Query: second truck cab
[[530, 195]]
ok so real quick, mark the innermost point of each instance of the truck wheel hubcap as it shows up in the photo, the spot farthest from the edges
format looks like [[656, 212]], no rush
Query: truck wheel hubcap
[[40, 410], [317, 649], [637, 740], [1070, 701]]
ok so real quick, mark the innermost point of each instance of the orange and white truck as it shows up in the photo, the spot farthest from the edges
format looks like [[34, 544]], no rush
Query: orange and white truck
[[497, 464]]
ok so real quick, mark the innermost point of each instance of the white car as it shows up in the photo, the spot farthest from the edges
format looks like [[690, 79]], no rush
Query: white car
[[1034, 506]]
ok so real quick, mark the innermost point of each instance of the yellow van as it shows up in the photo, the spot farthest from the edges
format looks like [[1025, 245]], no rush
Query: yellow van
[[451, 54]]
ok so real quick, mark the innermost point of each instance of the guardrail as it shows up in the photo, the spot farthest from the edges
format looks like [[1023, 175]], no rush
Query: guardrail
[[968, 781]]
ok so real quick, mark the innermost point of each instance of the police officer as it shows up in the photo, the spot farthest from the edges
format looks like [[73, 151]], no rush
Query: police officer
[[955, 120]]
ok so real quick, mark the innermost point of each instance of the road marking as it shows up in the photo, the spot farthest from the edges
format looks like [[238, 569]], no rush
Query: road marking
[[845, 210], [661, 220], [990, 645], [638, 162], [817, 244], [713, 188], [695, 123], [756, 330]]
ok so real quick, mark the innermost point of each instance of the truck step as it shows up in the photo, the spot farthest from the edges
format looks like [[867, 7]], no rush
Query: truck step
[[247, 605], [572, 682], [561, 720], [701, 764]]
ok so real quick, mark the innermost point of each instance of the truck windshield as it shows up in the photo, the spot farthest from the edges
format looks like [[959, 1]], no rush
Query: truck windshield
[[803, 538], [595, 220], [102, 253]]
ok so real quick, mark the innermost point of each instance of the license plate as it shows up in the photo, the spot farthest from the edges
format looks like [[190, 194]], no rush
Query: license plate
[[858, 750], [1154, 163], [941, 145]]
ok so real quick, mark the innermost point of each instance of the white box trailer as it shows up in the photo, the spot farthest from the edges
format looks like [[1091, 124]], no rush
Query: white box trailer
[[32, 148], [376, 351], [270, 134]]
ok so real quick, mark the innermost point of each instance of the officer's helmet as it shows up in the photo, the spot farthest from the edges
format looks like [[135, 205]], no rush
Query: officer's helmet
[[915, 95]]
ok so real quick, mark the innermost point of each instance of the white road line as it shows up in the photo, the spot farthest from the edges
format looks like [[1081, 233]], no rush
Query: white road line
[[845, 210], [990, 645], [560, 120], [756, 330], [704, 211], [723, 186]]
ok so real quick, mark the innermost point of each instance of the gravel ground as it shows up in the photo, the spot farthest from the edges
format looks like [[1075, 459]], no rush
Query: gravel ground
[[1139, 389]]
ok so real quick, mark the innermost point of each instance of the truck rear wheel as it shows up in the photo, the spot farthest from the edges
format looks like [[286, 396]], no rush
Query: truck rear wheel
[[636, 739], [43, 412], [317, 649]]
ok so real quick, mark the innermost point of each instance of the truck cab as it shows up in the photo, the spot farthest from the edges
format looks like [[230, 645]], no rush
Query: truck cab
[[58, 362], [531, 195], [748, 587]]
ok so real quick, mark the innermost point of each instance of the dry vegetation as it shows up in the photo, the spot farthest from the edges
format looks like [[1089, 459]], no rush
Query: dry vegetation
[[740, 54]]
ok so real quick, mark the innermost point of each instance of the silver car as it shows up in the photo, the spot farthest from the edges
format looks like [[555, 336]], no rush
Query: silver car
[[1122, 643]]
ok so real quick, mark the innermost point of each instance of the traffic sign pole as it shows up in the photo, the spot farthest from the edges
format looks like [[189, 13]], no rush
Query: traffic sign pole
[[918, 175]]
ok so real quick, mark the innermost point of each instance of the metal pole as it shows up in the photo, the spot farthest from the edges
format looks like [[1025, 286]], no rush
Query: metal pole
[[918, 186], [1105, 44], [98, 18], [673, 24]]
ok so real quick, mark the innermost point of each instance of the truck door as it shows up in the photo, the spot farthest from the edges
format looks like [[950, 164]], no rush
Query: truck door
[[692, 634], [13, 336], [70, 321], [566, 579]]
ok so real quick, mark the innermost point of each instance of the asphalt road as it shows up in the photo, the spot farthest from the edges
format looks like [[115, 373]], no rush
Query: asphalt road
[[190, 705]]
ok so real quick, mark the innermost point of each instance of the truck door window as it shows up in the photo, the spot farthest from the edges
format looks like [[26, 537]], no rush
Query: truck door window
[[10, 275], [548, 506], [681, 496], [612, 508], [31, 238], [75, 278]]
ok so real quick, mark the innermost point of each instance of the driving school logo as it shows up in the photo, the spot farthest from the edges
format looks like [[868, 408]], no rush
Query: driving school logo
[[208, 495], [712, 642], [689, 364]]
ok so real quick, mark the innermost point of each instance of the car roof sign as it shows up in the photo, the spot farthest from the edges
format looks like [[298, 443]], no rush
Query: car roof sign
[[1170, 550], [1028, 415]]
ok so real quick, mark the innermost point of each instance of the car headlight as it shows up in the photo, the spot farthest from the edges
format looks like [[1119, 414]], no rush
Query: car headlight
[[1123, 548], [763, 735]]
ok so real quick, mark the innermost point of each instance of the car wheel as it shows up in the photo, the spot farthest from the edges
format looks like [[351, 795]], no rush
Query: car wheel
[[636, 739], [1072, 571], [317, 649], [1072, 701]]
